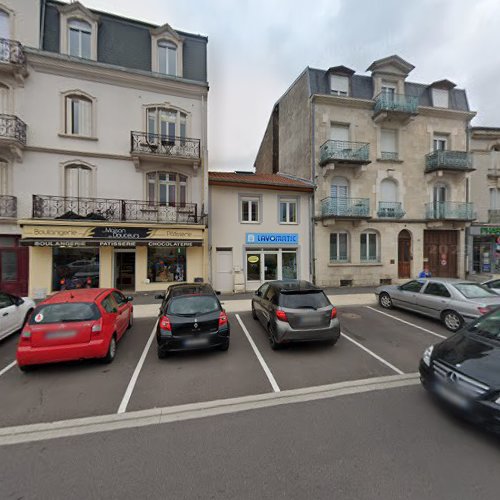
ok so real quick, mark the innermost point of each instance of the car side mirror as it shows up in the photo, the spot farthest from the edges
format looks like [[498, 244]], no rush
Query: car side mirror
[[19, 301], [217, 292], [258, 293], [159, 296], [130, 299], [399, 287]]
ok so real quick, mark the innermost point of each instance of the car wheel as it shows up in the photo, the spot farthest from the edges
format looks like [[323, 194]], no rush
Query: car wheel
[[275, 345], [254, 315], [162, 353], [26, 368], [130, 321], [452, 320], [224, 347], [110, 356], [385, 300], [332, 342]]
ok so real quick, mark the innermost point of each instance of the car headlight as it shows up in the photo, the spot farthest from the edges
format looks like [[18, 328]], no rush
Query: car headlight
[[497, 401], [426, 358]]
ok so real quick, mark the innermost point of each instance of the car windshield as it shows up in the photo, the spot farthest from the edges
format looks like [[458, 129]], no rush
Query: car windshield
[[487, 326], [190, 305], [309, 300], [64, 313], [473, 290]]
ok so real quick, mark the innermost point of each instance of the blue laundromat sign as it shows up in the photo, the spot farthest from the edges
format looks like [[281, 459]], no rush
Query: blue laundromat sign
[[272, 239]]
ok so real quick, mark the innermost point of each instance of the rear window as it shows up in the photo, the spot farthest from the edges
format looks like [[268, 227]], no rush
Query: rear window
[[194, 304], [473, 291], [310, 300], [64, 313]]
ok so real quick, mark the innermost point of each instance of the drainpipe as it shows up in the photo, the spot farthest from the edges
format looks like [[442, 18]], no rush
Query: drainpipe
[[312, 198], [467, 253]]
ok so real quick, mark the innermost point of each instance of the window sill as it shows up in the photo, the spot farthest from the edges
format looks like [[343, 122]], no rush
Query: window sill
[[74, 136], [389, 160], [350, 264], [289, 223], [249, 222]]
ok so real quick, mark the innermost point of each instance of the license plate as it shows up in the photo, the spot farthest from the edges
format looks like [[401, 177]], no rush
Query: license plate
[[452, 397], [67, 334], [308, 322], [195, 342]]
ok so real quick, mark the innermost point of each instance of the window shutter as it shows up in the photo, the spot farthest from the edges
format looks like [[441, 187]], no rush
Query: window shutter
[[339, 84], [388, 141], [339, 132], [3, 177], [388, 190], [440, 98], [85, 125]]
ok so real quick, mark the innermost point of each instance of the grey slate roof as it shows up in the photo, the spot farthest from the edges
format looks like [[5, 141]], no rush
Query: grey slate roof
[[127, 42], [362, 88]]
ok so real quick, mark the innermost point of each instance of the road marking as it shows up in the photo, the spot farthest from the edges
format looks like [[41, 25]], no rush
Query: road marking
[[128, 393], [8, 367], [266, 369], [154, 416], [371, 353], [407, 322]]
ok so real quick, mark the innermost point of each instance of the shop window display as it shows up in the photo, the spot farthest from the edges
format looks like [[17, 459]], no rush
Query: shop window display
[[75, 268], [166, 264]]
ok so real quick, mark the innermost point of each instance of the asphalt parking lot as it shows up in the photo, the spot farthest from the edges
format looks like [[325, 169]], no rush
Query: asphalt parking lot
[[375, 343]]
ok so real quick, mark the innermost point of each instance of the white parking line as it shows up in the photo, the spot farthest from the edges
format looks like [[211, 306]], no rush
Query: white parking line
[[407, 323], [266, 369], [128, 393], [371, 353], [7, 368]]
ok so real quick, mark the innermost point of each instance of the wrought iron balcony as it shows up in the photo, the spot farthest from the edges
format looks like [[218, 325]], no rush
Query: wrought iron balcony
[[448, 160], [386, 102], [8, 206], [390, 210], [11, 52], [356, 153], [12, 129], [494, 216], [349, 208], [144, 143], [113, 210], [449, 210], [389, 155]]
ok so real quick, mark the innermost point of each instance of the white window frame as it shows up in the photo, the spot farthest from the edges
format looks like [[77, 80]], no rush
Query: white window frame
[[251, 200], [494, 199], [181, 120], [181, 183], [440, 98], [9, 14], [339, 85], [4, 177], [67, 117], [384, 152], [366, 258], [440, 138], [288, 202], [337, 258], [82, 164], [167, 46], [166, 34], [81, 28]]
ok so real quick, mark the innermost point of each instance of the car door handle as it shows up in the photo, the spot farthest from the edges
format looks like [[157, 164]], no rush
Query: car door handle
[[5, 314]]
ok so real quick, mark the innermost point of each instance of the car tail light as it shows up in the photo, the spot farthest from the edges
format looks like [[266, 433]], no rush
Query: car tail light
[[97, 327], [165, 323], [281, 315], [222, 319], [483, 310], [334, 313], [26, 335]]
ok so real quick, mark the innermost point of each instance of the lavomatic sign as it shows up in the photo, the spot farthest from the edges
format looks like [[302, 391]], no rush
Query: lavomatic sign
[[272, 239]]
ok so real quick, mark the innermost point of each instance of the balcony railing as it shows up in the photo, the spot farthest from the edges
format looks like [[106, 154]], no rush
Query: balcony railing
[[11, 52], [448, 160], [390, 210], [345, 152], [441, 210], [8, 206], [164, 145], [112, 210], [345, 207], [389, 155], [11, 127], [399, 103], [494, 216]]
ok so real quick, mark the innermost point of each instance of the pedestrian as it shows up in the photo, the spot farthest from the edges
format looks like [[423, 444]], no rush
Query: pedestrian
[[425, 273]]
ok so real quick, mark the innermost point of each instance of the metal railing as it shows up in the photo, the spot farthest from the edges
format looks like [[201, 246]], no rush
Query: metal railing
[[345, 207], [11, 52], [494, 216], [448, 160], [8, 206], [439, 210], [164, 145], [345, 151], [113, 210], [11, 127], [402, 103], [389, 155], [390, 210]]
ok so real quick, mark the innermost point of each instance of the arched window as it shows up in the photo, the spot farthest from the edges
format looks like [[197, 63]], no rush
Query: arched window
[[167, 58], [4, 25], [389, 190], [77, 181], [389, 205], [79, 38], [166, 188], [165, 123], [369, 246], [440, 193], [339, 246], [339, 187], [78, 115]]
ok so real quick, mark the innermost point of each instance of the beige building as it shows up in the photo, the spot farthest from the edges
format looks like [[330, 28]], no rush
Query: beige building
[[259, 229], [390, 163]]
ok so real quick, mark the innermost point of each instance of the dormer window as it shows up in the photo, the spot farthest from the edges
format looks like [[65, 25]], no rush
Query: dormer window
[[166, 51], [79, 39], [440, 98], [339, 85], [167, 58]]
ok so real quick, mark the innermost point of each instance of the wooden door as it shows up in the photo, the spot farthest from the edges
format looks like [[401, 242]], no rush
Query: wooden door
[[441, 250], [404, 254]]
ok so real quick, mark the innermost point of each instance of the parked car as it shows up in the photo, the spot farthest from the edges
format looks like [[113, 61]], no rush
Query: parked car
[[464, 370], [14, 311], [295, 311], [493, 285], [76, 324], [191, 317], [452, 301]]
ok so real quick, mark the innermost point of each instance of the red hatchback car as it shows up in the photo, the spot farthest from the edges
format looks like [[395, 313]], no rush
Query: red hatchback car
[[75, 324]]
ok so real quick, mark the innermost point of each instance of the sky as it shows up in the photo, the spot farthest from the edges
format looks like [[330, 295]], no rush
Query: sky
[[256, 49]]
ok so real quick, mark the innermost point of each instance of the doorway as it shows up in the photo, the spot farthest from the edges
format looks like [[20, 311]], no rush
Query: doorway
[[125, 269], [13, 266], [441, 250], [224, 270], [404, 254]]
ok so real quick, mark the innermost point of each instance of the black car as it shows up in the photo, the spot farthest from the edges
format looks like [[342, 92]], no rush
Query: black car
[[464, 371], [191, 317]]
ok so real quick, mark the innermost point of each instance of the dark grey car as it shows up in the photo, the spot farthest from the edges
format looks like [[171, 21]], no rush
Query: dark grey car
[[295, 311]]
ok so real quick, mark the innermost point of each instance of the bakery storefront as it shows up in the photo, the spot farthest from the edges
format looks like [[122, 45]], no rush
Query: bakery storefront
[[129, 257]]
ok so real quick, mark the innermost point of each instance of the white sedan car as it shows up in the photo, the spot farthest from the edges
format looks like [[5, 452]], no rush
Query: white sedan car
[[13, 313]]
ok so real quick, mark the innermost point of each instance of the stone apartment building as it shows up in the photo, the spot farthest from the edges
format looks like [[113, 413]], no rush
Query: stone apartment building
[[103, 150], [390, 162]]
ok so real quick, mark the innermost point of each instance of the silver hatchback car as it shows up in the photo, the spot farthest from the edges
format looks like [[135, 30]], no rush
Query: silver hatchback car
[[452, 301], [295, 311]]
